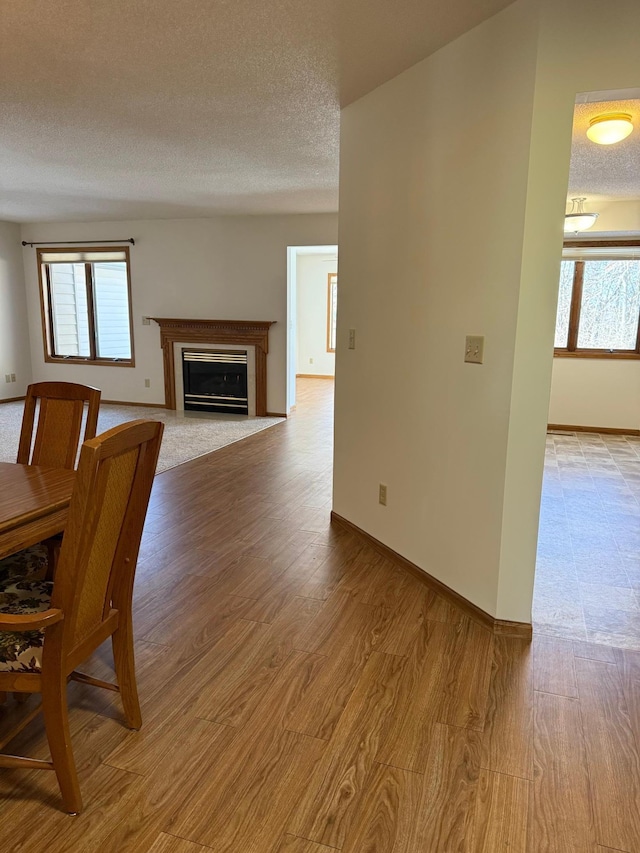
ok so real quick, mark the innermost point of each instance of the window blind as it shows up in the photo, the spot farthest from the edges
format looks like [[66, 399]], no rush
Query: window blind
[[601, 253], [75, 257]]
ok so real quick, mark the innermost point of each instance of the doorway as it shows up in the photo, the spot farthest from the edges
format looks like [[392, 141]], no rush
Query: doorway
[[312, 281], [587, 585]]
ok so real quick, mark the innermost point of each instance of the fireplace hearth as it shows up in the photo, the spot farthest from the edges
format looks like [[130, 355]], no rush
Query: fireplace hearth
[[215, 381]]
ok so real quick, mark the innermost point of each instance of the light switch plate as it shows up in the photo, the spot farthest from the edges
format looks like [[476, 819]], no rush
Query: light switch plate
[[352, 338], [474, 349], [146, 321]]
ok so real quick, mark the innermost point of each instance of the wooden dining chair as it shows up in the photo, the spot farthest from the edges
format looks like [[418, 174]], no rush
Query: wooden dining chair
[[59, 407], [47, 630], [50, 436]]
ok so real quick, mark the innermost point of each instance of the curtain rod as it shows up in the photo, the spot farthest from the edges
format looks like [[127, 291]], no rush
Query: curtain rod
[[72, 243]]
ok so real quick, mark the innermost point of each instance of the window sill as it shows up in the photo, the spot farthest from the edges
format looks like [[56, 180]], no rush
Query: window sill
[[601, 354], [87, 362]]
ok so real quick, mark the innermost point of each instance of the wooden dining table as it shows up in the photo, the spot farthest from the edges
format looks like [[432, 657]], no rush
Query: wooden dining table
[[34, 503]]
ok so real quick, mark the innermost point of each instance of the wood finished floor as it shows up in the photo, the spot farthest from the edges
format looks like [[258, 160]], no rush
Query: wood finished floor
[[301, 694]]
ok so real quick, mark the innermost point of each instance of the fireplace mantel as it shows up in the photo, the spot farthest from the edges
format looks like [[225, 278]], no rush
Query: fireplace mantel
[[253, 333]]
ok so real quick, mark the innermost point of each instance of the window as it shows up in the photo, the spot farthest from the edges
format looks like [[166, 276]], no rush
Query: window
[[599, 301], [332, 311], [86, 305]]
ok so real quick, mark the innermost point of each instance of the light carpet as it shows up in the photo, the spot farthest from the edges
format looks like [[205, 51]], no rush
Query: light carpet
[[186, 436]]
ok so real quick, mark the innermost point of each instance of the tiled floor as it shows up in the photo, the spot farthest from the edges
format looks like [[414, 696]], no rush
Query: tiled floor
[[588, 569]]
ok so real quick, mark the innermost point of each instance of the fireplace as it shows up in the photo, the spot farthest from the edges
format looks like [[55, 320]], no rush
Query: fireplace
[[213, 334], [215, 381]]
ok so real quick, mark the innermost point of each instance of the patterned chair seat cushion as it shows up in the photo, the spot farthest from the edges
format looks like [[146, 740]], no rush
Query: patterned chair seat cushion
[[21, 651], [29, 564]]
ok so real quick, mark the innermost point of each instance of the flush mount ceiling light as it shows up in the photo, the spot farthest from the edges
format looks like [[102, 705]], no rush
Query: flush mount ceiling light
[[577, 220], [609, 128]]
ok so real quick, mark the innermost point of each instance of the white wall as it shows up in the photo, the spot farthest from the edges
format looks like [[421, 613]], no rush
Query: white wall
[[484, 125], [615, 217], [584, 46], [449, 136], [595, 392], [600, 392], [227, 267], [312, 294], [15, 356]]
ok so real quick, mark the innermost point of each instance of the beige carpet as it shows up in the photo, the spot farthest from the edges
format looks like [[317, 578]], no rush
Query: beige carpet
[[186, 435]]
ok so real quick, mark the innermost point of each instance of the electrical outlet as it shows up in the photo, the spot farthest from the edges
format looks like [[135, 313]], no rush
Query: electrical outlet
[[310, 361], [474, 349], [7, 377], [147, 383], [382, 494], [13, 377], [352, 338], [146, 321]]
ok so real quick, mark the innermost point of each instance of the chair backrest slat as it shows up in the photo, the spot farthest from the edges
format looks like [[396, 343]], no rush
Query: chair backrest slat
[[59, 408]]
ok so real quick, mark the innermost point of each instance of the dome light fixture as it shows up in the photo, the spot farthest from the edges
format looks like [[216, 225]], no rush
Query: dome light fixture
[[610, 128], [577, 219]]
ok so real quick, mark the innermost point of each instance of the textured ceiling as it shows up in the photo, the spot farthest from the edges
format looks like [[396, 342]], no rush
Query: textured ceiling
[[605, 172], [158, 108]]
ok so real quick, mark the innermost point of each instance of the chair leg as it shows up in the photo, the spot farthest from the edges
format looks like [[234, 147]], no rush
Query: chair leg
[[56, 721], [123, 657]]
